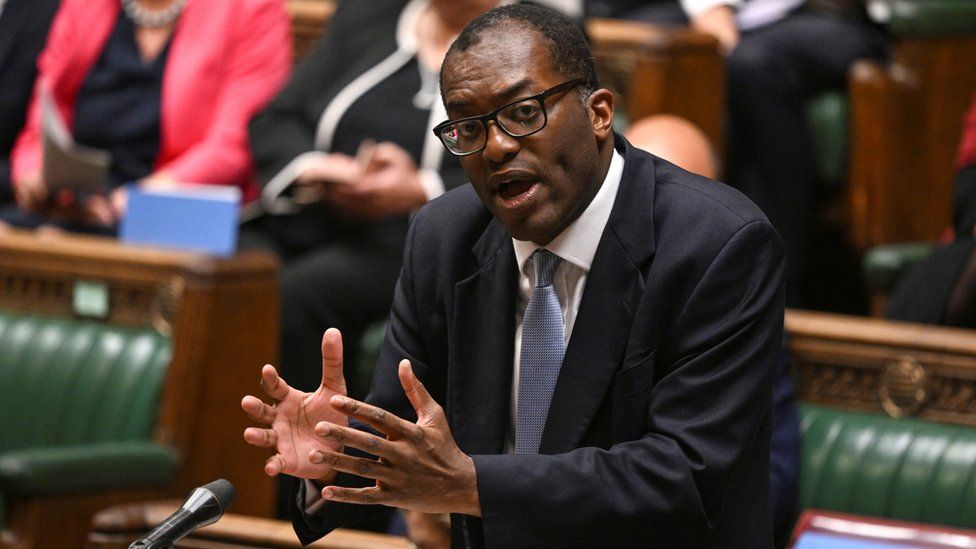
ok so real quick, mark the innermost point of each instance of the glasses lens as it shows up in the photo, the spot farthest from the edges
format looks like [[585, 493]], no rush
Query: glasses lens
[[522, 118], [464, 136]]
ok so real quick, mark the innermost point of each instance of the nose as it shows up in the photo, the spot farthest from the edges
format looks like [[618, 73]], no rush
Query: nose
[[498, 144]]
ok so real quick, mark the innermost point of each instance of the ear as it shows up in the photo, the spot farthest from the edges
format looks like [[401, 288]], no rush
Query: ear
[[600, 105]]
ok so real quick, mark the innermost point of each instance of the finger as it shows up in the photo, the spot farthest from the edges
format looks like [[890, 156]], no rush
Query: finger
[[359, 496], [257, 410], [366, 468], [119, 200], [273, 385], [355, 438], [274, 465], [309, 193], [365, 155], [388, 151], [262, 438], [97, 211], [338, 168], [332, 377], [425, 406], [378, 418]]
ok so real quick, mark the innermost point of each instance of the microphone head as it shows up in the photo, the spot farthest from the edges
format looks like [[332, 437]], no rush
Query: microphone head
[[223, 491]]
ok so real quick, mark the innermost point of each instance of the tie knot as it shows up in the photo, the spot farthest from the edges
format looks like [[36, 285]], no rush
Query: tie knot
[[545, 266]]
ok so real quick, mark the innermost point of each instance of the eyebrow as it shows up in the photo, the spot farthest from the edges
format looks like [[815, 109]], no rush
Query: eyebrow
[[505, 93]]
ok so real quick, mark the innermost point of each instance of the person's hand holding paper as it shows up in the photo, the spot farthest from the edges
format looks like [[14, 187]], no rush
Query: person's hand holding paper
[[388, 184]]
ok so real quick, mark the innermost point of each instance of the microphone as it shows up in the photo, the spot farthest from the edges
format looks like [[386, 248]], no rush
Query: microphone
[[205, 505]]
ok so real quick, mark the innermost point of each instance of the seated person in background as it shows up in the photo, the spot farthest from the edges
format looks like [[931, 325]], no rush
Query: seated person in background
[[166, 86], [367, 96], [587, 356], [23, 30], [941, 288], [779, 54]]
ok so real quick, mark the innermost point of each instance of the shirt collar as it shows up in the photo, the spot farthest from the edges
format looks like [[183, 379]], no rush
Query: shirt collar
[[578, 242]]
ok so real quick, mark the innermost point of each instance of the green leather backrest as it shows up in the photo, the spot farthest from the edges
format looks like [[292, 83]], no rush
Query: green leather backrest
[[874, 465], [65, 381], [827, 118]]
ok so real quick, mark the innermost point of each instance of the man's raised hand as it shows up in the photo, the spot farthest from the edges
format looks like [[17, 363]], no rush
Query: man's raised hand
[[291, 419]]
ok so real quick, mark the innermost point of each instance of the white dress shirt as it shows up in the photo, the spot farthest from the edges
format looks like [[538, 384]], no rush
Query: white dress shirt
[[576, 246]]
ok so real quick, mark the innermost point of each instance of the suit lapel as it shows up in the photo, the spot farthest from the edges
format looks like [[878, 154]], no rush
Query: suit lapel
[[480, 384], [603, 323]]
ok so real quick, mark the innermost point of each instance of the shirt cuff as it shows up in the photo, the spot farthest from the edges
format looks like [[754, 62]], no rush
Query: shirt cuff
[[312, 497], [432, 183]]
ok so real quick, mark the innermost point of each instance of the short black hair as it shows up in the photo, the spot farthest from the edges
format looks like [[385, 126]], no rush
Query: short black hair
[[569, 51]]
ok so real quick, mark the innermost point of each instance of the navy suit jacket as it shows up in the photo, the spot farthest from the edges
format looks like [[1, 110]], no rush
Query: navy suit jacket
[[658, 431]]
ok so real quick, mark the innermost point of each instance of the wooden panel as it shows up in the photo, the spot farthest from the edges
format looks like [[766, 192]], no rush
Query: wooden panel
[[874, 365], [115, 528], [906, 120], [61, 521], [222, 315], [309, 19], [662, 70]]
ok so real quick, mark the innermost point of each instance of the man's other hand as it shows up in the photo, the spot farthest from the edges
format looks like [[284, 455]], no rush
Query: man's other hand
[[294, 414], [420, 466]]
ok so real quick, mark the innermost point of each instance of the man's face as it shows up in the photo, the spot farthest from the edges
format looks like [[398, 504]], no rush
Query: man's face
[[538, 184]]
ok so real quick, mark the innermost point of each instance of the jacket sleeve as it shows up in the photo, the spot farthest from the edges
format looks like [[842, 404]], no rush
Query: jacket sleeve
[[259, 64], [708, 415]]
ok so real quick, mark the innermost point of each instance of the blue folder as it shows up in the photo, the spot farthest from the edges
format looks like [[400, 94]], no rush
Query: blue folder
[[816, 540], [191, 217]]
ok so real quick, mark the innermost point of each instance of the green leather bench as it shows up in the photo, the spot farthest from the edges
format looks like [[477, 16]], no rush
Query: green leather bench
[[904, 469], [79, 407]]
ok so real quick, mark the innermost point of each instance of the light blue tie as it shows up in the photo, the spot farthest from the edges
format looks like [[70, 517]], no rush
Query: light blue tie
[[541, 356]]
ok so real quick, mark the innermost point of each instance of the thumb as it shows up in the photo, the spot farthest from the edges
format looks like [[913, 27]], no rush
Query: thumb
[[332, 377], [425, 406]]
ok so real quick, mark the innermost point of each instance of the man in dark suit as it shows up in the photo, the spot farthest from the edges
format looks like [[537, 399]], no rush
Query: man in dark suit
[[668, 297], [23, 30]]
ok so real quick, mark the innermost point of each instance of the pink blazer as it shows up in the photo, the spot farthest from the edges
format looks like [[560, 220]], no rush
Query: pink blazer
[[227, 58]]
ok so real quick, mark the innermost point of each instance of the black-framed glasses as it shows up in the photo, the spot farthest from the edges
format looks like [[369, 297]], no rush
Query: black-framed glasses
[[519, 118]]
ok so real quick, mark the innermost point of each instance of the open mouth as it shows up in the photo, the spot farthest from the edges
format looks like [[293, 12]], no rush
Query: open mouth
[[512, 189]]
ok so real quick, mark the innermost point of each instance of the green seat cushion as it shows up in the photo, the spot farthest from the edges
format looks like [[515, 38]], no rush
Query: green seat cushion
[[932, 18], [905, 469], [86, 468], [883, 265]]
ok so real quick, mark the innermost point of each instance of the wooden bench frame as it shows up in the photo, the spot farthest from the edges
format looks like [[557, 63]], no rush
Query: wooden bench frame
[[874, 365], [222, 316]]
